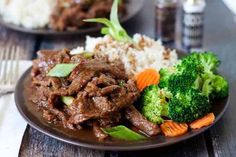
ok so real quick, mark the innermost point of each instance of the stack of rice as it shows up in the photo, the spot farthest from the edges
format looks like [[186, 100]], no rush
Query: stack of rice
[[28, 13], [143, 53]]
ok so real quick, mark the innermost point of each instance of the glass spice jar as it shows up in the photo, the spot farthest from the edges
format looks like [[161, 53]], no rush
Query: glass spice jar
[[165, 12], [193, 24]]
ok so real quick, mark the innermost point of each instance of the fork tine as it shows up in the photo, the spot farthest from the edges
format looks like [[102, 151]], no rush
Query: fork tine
[[10, 76], [18, 51], [1, 59], [5, 65]]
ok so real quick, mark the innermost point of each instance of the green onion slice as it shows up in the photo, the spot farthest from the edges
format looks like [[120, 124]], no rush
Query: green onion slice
[[61, 70], [123, 133], [68, 100], [113, 26]]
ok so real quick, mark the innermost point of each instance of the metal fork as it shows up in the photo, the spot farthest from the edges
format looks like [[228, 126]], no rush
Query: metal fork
[[9, 68]]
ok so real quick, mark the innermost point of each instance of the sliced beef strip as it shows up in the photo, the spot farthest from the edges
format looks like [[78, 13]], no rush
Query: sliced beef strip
[[88, 111], [82, 109], [96, 86], [61, 18], [85, 107], [131, 86], [71, 15], [100, 9], [109, 89], [76, 59], [47, 60], [126, 96], [85, 111], [80, 81], [103, 67], [124, 101], [41, 98], [98, 132], [60, 115], [92, 90], [103, 105], [46, 100], [48, 116], [77, 119], [54, 82], [110, 119], [104, 80], [60, 87], [139, 121]]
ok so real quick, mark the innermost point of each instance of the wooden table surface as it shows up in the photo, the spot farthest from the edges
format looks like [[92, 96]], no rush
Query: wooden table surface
[[220, 37]]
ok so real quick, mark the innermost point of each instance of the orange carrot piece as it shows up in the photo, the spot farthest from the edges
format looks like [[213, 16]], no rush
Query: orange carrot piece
[[204, 121], [173, 129], [146, 78]]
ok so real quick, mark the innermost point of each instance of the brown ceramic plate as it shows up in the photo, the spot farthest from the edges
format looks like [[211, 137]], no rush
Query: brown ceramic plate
[[133, 7], [85, 138]]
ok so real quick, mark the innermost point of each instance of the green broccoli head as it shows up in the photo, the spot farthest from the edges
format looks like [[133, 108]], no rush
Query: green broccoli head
[[186, 75], [208, 60], [214, 86], [193, 71], [165, 74], [154, 104], [182, 82], [207, 87], [220, 87], [191, 64], [188, 106]]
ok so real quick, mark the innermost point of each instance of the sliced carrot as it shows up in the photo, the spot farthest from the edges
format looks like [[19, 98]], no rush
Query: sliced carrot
[[146, 78], [204, 121], [173, 129]]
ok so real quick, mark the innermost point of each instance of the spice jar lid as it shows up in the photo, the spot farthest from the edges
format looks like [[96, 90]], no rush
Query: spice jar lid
[[194, 6], [166, 3]]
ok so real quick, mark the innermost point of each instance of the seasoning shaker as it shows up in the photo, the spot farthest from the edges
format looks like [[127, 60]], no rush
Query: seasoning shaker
[[192, 24], [165, 18]]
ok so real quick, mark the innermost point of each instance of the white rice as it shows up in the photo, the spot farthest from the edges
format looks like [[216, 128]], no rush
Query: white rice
[[147, 53], [27, 13]]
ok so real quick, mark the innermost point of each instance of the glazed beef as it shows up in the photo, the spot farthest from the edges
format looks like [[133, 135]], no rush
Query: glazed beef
[[69, 14], [138, 120], [98, 132], [95, 105], [48, 59], [101, 92], [102, 66], [80, 81]]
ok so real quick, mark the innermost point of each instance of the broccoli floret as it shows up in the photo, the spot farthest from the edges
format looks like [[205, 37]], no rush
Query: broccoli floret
[[186, 75], [188, 106], [207, 87], [188, 69], [220, 87], [193, 84], [193, 71], [190, 64], [165, 74], [165, 110], [215, 86], [182, 82], [185, 89], [154, 104], [208, 60]]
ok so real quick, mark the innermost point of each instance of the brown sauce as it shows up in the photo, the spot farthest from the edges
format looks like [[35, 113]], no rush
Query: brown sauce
[[83, 134]]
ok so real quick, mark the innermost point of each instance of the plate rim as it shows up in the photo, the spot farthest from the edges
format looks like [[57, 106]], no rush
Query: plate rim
[[49, 32], [106, 147]]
